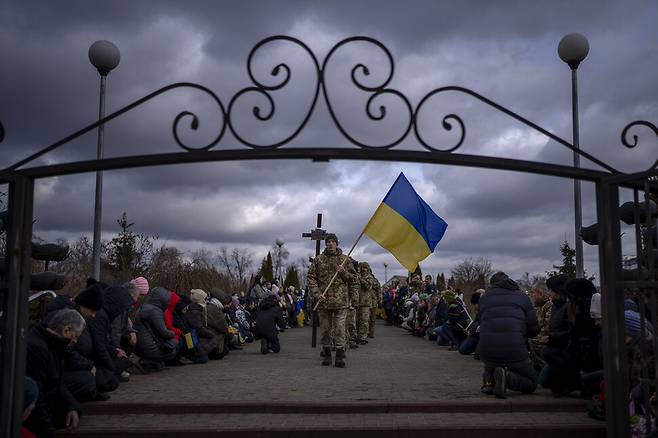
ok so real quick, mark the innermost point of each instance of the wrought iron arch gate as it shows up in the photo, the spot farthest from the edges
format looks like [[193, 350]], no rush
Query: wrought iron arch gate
[[614, 281]]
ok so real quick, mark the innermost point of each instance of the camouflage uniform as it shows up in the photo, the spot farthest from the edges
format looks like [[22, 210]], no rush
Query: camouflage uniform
[[375, 301], [350, 320], [365, 300], [544, 317], [332, 310]]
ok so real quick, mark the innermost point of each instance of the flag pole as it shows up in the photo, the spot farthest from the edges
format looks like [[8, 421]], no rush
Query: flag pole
[[323, 294]]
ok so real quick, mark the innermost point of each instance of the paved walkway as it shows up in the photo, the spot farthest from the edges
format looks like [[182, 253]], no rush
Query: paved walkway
[[393, 367], [396, 386]]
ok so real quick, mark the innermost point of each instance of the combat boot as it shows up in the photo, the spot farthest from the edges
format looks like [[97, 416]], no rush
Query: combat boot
[[327, 356], [340, 359], [353, 345]]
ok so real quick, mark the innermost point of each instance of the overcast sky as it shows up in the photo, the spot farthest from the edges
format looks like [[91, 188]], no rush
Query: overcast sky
[[505, 50]]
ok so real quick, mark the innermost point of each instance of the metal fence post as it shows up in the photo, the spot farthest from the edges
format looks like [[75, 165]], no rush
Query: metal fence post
[[612, 302], [15, 292]]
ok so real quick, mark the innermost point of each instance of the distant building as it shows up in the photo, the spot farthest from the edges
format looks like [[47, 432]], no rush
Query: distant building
[[394, 279]]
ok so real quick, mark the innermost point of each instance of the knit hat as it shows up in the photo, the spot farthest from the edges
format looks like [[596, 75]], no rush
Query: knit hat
[[30, 392], [142, 285], [595, 307], [415, 298], [579, 288], [556, 283], [424, 296], [198, 296], [632, 324], [331, 236], [91, 297]]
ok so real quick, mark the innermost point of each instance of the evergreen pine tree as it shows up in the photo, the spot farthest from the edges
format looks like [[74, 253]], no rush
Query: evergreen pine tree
[[129, 253], [292, 278], [441, 282], [568, 266], [267, 269]]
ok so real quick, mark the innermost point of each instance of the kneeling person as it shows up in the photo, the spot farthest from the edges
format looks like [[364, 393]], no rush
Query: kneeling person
[[268, 317], [507, 317]]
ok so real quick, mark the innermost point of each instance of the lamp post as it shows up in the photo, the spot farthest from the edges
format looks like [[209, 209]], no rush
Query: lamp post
[[573, 49], [279, 243], [105, 57]]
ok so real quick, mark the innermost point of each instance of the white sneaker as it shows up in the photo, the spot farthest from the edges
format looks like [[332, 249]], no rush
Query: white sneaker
[[125, 374]]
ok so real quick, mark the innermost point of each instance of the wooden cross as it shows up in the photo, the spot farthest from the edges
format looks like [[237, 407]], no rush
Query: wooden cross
[[318, 235]]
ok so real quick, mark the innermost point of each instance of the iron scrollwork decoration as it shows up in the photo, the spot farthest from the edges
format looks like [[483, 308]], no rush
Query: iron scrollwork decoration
[[282, 73], [624, 135]]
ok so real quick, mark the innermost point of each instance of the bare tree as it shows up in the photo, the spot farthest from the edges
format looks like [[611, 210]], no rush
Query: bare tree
[[302, 269], [236, 265], [471, 273], [202, 257], [242, 262], [224, 260], [527, 281], [169, 269], [77, 265]]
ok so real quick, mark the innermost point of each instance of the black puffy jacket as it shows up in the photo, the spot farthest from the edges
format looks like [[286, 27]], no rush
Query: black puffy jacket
[[116, 300], [268, 317], [507, 317]]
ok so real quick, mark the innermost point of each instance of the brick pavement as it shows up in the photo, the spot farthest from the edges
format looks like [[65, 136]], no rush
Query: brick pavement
[[396, 386], [393, 367]]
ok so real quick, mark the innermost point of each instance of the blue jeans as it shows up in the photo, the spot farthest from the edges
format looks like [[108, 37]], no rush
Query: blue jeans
[[454, 335], [440, 339], [469, 345]]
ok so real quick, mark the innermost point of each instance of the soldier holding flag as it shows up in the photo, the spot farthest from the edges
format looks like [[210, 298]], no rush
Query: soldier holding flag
[[332, 297]]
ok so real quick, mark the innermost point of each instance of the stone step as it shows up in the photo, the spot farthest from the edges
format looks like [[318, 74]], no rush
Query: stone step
[[358, 425], [509, 405]]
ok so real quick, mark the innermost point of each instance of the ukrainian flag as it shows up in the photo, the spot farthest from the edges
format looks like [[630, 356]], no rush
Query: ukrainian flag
[[405, 225]]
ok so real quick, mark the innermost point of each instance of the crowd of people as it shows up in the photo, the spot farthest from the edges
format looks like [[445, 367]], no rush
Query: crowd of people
[[86, 346], [89, 344], [549, 335]]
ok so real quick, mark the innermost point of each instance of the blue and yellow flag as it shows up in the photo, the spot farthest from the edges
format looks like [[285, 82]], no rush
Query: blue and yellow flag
[[405, 225]]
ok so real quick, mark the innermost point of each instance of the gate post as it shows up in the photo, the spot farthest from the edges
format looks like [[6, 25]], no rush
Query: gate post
[[612, 306], [15, 292]]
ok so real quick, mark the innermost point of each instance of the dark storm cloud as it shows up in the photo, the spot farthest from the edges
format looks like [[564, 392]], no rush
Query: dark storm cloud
[[504, 50]]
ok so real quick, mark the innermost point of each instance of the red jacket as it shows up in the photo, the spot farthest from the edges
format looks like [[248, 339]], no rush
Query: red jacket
[[174, 298], [26, 433]]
